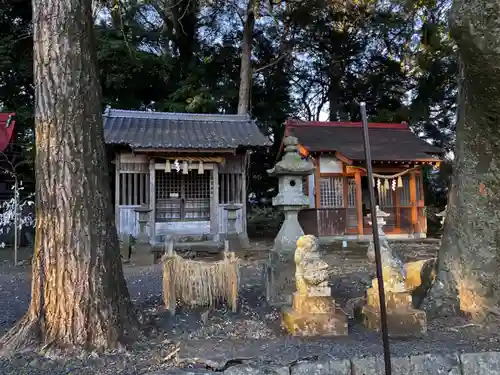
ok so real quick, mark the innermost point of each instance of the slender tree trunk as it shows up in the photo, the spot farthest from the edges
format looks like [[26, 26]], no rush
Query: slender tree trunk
[[333, 104], [469, 258], [246, 60], [79, 294]]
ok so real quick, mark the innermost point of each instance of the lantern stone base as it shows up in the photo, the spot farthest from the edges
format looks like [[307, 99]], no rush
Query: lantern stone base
[[237, 242], [280, 278], [313, 316], [143, 248]]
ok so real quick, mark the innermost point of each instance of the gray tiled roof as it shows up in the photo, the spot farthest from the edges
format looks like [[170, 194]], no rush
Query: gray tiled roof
[[141, 129], [385, 143]]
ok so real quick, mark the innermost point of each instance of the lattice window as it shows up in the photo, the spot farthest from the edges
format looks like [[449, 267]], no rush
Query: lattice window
[[331, 192], [385, 195], [419, 191], [352, 214], [197, 196], [230, 188], [351, 192], [182, 196], [404, 192], [134, 189]]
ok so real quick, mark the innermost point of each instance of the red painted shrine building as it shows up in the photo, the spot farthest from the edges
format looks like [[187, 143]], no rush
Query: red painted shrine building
[[338, 189]]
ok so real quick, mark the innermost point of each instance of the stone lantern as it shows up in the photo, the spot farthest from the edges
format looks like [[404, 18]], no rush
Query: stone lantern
[[281, 269], [143, 237], [384, 244], [236, 241], [291, 199]]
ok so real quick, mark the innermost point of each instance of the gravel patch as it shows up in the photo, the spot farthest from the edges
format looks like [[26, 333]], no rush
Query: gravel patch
[[220, 335]]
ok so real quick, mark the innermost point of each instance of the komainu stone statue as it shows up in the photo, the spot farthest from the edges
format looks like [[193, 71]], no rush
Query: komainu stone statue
[[402, 318], [313, 311], [311, 272]]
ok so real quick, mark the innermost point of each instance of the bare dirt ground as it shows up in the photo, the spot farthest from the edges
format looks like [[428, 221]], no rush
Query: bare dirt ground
[[253, 332]]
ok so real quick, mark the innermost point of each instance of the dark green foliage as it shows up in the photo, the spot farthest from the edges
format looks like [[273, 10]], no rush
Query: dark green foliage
[[322, 58], [16, 85]]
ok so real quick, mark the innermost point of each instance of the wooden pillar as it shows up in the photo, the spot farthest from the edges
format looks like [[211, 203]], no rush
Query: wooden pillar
[[421, 203], [214, 204], [345, 202], [317, 183], [152, 201], [244, 194], [413, 201], [345, 193], [117, 195], [396, 208], [359, 202]]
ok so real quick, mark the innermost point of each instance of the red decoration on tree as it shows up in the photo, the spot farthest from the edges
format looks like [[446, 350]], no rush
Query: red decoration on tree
[[7, 123]]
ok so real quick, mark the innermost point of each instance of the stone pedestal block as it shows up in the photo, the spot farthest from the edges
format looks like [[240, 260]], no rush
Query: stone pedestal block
[[402, 318], [400, 322], [307, 324], [314, 315]]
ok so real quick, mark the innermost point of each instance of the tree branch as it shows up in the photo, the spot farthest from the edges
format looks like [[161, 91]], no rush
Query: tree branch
[[272, 63]]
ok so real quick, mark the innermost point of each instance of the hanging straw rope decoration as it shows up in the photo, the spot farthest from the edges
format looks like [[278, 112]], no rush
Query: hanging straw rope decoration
[[205, 159], [198, 283], [389, 177], [377, 177]]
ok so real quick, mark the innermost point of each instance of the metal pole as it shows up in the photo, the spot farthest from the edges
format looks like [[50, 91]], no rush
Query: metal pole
[[16, 199], [376, 242]]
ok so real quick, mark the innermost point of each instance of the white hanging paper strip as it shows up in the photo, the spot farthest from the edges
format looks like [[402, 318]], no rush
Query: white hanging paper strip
[[200, 168], [379, 183], [168, 168], [400, 182], [185, 167], [393, 185], [177, 165]]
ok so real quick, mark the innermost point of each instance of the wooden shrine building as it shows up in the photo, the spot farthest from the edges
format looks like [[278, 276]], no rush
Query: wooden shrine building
[[184, 167], [338, 190]]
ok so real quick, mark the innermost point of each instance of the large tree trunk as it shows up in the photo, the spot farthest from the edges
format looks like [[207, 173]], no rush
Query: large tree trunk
[[469, 258], [245, 89], [79, 294]]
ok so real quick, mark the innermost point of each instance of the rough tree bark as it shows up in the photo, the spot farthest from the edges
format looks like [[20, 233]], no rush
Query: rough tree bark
[[79, 294], [246, 59], [469, 258]]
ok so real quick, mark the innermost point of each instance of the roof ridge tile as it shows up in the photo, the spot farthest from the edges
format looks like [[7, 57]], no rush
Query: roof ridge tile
[[179, 116]]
